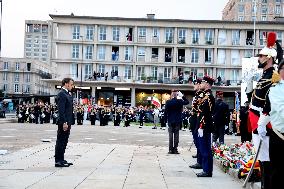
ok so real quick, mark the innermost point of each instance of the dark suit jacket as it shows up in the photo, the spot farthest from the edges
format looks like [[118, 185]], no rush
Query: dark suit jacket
[[173, 110], [65, 108]]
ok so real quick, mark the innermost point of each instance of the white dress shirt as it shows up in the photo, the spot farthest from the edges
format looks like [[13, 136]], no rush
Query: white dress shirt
[[276, 98]]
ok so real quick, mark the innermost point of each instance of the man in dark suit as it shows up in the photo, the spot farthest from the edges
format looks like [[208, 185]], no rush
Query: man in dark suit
[[173, 114], [65, 120]]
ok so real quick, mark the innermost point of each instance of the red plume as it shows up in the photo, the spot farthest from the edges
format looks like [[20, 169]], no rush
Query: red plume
[[271, 39]]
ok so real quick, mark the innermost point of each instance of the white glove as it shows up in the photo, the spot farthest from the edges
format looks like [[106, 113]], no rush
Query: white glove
[[180, 94], [262, 122], [200, 132]]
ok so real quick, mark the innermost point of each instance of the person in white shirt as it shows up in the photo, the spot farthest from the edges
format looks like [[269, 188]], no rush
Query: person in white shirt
[[274, 109]]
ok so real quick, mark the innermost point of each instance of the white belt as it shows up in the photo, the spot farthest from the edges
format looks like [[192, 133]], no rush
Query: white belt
[[259, 109]]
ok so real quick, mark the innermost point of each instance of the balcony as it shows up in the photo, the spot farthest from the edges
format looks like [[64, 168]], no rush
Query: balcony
[[181, 41], [155, 39], [154, 58]]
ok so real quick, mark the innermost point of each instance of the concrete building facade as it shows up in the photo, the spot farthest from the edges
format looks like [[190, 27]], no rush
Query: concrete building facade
[[148, 55], [249, 10]]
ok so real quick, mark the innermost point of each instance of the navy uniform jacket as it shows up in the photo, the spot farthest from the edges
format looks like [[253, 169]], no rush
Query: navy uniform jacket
[[221, 115], [173, 110], [206, 112], [65, 108]]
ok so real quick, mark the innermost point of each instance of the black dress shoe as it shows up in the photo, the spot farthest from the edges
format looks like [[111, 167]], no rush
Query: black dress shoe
[[66, 162], [194, 156], [203, 174], [176, 152], [170, 152], [61, 164], [196, 166]]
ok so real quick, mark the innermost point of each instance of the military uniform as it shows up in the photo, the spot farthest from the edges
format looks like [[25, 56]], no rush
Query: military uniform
[[185, 117], [205, 128]]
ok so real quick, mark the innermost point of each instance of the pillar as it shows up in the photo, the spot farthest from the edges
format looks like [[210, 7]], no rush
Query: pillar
[[133, 100]]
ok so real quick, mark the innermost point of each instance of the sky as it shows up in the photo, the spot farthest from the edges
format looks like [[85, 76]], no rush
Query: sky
[[15, 12]]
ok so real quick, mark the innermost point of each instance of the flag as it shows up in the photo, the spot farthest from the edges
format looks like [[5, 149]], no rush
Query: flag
[[237, 108], [155, 101]]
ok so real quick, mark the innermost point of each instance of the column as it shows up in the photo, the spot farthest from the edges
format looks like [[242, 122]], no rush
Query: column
[[133, 103], [93, 91]]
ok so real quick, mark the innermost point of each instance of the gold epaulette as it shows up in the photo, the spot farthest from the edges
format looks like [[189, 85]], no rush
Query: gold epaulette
[[275, 77]]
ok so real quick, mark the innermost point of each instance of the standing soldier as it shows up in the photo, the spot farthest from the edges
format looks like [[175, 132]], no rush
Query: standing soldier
[[205, 127], [93, 116], [156, 117], [116, 117], [162, 117], [221, 117], [127, 119], [193, 122], [261, 131], [185, 117], [141, 116]]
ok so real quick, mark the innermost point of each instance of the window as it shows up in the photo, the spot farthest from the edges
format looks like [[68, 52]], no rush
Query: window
[[235, 56], [155, 32], [248, 53], [101, 68], [235, 37], [76, 31], [127, 72], [208, 72], [222, 37], [169, 35], [37, 28], [241, 9], [263, 9], [28, 45], [36, 50], [221, 73], [234, 76], [17, 66], [209, 37], [141, 73], [278, 1], [89, 52], [181, 36], [43, 50], [27, 88], [28, 77], [44, 28], [128, 53], [264, 1], [141, 53], [263, 18], [90, 33], [167, 74], [101, 52], [277, 9], [75, 51], [102, 33], [88, 71], [16, 88], [195, 36], [28, 50], [44, 37], [17, 77], [114, 71], [154, 71], [194, 55], [141, 32], [6, 65], [74, 70], [115, 33], [5, 76], [208, 55], [253, 18], [5, 87], [29, 65], [44, 46], [221, 56], [28, 54]]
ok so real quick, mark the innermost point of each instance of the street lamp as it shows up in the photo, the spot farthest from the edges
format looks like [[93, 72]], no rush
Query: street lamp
[[81, 83]]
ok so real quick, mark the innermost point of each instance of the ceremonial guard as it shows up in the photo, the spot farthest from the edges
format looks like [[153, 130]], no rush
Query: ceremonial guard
[[193, 122], [274, 112], [162, 117], [141, 116], [127, 119], [221, 118], [101, 116], [37, 112], [116, 117], [80, 115], [205, 127], [185, 118], [259, 120], [93, 116]]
